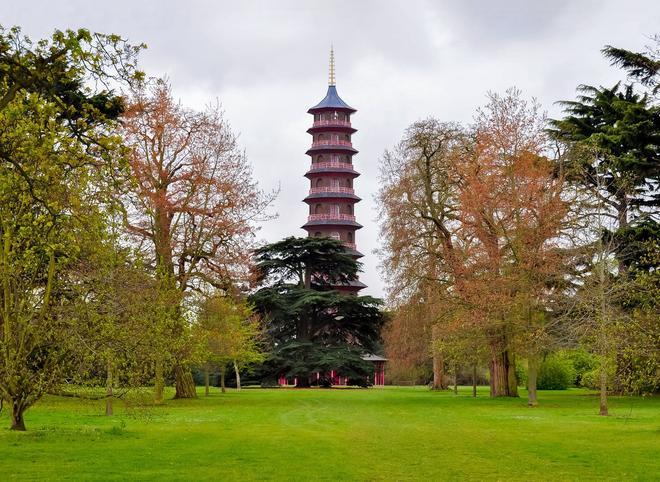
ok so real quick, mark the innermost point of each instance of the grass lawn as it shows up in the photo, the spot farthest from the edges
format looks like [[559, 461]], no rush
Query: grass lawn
[[374, 434]]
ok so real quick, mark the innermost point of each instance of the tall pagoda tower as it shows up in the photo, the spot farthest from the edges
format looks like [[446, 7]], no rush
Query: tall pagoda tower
[[331, 175]]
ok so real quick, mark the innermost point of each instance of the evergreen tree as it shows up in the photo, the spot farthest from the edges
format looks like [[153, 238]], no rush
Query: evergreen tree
[[312, 327], [614, 134]]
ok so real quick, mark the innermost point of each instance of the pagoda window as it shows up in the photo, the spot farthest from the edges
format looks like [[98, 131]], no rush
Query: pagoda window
[[318, 208], [320, 158], [347, 137], [349, 237], [318, 234], [334, 209], [349, 183], [335, 235], [334, 137], [350, 208], [334, 183], [321, 137], [334, 158], [319, 182]]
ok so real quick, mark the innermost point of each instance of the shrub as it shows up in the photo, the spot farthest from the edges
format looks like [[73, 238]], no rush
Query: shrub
[[556, 373], [591, 379], [583, 362]]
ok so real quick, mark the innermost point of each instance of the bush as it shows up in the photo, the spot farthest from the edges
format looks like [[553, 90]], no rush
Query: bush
[[583, 362], [591, 379], [556, 373]]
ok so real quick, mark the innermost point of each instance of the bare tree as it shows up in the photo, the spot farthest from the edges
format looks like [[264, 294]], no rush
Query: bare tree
[[194, 202]]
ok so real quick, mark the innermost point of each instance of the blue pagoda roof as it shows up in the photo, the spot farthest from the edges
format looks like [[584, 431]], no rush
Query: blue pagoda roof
[[331, 101]]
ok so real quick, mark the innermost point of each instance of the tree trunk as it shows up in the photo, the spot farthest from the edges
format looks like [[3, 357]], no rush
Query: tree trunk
[[108, 390], [603, 389], [474, 381], [207, 390], [17, 421], [455, 379], [159, 381], [622, 218], [303, 382], [238, 376], [503, 381], [438, 363], [532, 376], [223, 370], [185, 385], [512, 378]]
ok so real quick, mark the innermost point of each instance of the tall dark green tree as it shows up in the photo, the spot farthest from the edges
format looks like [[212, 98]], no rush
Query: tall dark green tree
[[312, 327], [641, 67], [613, 140], [614, 136]]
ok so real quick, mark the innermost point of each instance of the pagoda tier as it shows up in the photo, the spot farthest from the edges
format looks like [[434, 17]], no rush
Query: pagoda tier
[[331, 174], [319, 168]]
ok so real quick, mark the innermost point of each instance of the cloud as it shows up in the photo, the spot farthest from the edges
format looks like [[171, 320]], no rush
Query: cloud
[[397, 62]]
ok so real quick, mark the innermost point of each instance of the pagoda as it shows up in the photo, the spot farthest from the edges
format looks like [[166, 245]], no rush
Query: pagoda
[[331, 175]]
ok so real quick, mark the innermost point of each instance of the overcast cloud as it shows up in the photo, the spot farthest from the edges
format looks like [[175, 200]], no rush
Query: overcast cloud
[[266, 61]]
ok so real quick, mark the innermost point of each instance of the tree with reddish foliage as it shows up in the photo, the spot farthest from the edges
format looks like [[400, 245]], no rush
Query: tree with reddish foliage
[[421, 252], [512, 209], [476, 214], [194, 203]]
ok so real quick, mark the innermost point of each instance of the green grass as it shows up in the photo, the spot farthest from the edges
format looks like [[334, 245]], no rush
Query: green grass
[[375, 434]]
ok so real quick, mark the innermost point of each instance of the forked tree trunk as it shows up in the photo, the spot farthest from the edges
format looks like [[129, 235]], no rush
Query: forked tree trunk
[[207, 390], [223, 371], [474, 381], [109, 390], [184, 383], [17, 421], [238, 376], [159, 381], [532, 377]]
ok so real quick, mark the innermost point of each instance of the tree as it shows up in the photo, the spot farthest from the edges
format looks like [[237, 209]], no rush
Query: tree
[[422, 252], [114, 303], [56, 143], [232, 335], [613, 141], [513, 208], [405, 337], [194, 202], [472, 217], [614, 136], [312, 328], [643, 67]]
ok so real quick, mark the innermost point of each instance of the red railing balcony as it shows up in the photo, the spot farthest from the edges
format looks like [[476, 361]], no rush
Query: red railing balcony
[[331, 217], [341, 189], [331, 122], [330, 142], [331, 165]]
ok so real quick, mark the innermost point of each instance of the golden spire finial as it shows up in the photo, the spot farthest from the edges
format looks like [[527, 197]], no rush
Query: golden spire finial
[[331, 80]]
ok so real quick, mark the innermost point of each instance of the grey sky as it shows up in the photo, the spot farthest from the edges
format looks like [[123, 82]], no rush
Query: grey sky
[[266, 61]]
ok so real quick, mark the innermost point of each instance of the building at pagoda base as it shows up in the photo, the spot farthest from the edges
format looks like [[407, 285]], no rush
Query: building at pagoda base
[[331, 197]]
